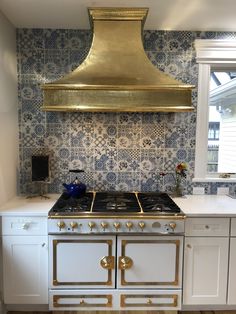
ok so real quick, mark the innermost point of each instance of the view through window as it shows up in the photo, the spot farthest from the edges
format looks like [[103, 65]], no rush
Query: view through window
[[222, 122]]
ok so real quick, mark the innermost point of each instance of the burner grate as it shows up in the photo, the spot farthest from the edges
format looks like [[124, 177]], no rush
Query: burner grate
[[115, 202], [157, 202], [66, 203]]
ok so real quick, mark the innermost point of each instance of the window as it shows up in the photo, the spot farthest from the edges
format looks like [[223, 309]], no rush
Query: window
[[216, 114]]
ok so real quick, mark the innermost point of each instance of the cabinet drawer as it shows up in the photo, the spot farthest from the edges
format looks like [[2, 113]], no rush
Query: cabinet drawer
[[150, 300], [80, 300], [207, 227], [24, 225], [233, 227]]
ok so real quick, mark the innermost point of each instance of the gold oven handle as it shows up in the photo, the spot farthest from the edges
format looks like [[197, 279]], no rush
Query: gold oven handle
[[125, 262], [107, 262]]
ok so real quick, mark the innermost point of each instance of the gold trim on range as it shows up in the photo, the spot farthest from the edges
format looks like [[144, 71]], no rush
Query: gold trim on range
[[109, 269], [168, 283], [82, 302], [150, 298]]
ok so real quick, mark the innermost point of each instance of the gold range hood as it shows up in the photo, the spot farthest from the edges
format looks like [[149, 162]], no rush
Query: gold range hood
[[117, 76]]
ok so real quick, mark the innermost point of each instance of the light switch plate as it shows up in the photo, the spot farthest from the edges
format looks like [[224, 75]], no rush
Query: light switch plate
[[198, 190], [222, 191]]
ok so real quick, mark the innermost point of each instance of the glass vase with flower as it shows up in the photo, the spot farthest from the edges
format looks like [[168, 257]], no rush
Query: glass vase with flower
[[180, 173]]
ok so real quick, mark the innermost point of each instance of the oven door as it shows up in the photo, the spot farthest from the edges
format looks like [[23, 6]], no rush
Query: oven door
[[81, 261], [150, 261]]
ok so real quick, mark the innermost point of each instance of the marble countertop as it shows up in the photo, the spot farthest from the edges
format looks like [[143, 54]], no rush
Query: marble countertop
[[191, 205], [36, 206], [207, 205]]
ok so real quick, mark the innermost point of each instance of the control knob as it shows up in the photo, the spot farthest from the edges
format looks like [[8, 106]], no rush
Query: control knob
[[117, 225], [73, 225], [141, 225], [61, 225], [129, 225], [91, 225], [172, 226], [104, 225]]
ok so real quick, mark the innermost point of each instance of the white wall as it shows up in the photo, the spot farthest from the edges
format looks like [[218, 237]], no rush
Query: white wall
[[8, 111]]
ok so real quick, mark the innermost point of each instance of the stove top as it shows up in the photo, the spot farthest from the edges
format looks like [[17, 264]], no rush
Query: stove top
[[118, 203]]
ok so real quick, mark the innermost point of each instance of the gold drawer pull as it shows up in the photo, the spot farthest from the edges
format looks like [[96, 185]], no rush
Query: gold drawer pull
[[149, 302], [125, 262], [107, 262], [82, 302]]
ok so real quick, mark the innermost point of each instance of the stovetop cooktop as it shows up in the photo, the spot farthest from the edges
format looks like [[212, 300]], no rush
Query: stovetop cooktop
[[115, 203]]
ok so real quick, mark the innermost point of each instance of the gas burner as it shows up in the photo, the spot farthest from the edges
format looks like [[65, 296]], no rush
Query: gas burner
[[160, 202], [68, 204], [115, 202]]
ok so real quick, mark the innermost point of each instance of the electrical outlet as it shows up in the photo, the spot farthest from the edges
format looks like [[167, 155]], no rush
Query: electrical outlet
[[199, 190], [223, 191]]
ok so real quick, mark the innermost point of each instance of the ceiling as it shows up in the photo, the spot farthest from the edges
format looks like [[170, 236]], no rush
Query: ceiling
[[211, 15]]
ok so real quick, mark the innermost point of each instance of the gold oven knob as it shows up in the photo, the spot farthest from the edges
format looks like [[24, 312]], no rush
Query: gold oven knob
[[129, 225], [61, 225], [91, 225], [172, 226], [73, 225], [117, 225], [104, 225], [141, 225]]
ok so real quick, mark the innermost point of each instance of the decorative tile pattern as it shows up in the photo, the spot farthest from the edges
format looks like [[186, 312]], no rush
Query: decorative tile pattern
[[118, 151]]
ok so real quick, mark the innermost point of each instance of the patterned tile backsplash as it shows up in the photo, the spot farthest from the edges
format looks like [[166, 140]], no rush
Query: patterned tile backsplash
[[118, 151]]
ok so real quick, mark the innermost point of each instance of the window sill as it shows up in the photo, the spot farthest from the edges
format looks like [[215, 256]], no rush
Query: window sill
[[211, 179]]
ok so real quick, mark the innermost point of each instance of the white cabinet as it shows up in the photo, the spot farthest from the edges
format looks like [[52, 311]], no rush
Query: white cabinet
[[25, 260], [206, 261], [232, 265]]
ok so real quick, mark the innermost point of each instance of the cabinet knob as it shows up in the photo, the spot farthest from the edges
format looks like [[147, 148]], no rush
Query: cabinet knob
[[61, 225], [91, 225], [149, 302], [189, 246], [25, 226]]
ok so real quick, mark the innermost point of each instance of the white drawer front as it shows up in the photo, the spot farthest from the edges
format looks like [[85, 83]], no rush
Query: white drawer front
[[150, 300], [233, 227], [207, 227], [24, 225], [80, 300]]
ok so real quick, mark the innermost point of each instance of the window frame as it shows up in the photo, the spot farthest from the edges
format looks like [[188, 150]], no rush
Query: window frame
[[219, 54]]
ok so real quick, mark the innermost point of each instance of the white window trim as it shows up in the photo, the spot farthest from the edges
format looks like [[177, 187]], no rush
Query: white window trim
[[217, 53]]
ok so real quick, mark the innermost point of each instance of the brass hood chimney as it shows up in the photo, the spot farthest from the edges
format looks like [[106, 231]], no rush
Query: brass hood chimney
[[117, 75]]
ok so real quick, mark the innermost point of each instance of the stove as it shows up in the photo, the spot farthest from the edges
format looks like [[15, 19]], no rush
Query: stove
[[116, 212]]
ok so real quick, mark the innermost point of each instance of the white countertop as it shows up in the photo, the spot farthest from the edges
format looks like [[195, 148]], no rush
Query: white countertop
[[191, 205], [36, 206], [207, 205]]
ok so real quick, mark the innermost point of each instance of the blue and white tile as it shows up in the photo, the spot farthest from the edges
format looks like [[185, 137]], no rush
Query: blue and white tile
[[29, 38], [128, 181], [152, 136], [82, 135], [105, 135], [79, 39], [152, 160], [32, 62], [129, 160], [82, 158], [33, 135], [149, 182], [56, 63], [105, 181], [56, 38], [105, 159], [132, 118], [57, 135], [128, 136]]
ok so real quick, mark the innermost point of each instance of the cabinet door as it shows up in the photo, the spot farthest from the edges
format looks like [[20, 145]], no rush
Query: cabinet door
[[25, 269], [205, 270], [232, 273], [150, 261], [82, 262]]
